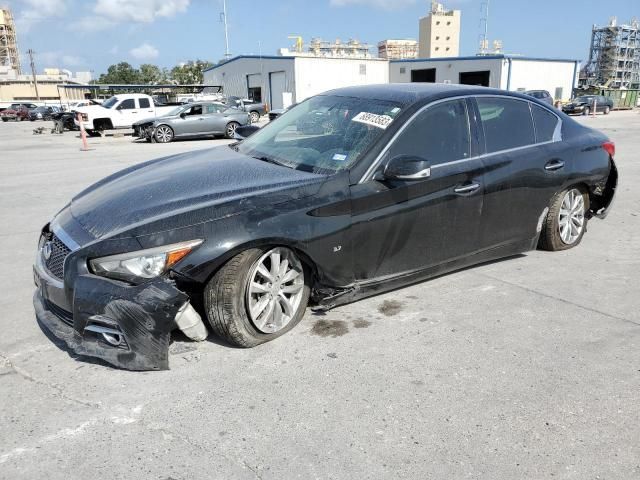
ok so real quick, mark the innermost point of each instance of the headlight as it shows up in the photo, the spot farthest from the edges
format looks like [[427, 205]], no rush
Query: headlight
[[142, 264]]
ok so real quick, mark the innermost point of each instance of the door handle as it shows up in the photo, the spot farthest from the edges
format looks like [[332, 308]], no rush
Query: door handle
[[468, 188], [554, 165]]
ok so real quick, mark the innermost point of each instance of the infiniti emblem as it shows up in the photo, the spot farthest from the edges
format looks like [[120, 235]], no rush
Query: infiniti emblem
[[47, 250]]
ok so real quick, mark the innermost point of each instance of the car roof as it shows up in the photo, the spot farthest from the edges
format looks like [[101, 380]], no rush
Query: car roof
[[409, 93]]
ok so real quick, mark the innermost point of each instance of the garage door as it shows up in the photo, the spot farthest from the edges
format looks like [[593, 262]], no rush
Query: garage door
[[277, 86]]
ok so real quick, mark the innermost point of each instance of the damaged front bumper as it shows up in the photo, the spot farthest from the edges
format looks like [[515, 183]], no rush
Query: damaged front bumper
[[128, 326]]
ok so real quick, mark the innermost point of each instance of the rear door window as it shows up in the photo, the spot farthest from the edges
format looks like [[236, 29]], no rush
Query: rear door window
[[545, 122], [144, 103], [439, 134], [507, 123]]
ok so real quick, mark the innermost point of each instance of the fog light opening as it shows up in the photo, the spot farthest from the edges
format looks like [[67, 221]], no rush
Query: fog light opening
[[112, 339]]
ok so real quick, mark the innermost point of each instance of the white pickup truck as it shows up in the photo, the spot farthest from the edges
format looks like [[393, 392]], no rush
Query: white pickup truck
[[119, 111]]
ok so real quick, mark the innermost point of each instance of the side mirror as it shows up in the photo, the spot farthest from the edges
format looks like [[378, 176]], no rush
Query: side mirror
[[407, 167], [183, 115]]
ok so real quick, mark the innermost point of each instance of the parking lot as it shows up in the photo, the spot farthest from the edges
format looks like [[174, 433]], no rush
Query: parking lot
[[523, 368]]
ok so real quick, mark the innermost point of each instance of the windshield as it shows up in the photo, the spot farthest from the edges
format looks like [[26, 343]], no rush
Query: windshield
[[177, 110], [324, 134], [110, 102]]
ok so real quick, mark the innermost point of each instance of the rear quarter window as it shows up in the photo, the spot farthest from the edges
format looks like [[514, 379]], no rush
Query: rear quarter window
[[545, 123], [506, 123]]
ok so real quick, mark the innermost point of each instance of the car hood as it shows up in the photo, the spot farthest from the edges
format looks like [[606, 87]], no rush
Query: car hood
[[189, 188], [91, 109], [163, 118]]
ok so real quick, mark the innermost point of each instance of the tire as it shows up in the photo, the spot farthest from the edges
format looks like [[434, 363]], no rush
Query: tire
[[163, 134], [255, 117], [607, 110], [230, 129], [586, 111], [18, 119], [229, 298], [553, 237], [5, 119]]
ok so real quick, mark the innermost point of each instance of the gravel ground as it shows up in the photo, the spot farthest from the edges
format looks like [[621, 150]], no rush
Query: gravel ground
[[524, 368]]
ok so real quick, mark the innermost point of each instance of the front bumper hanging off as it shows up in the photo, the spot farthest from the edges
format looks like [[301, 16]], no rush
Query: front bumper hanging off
[[126, 326]]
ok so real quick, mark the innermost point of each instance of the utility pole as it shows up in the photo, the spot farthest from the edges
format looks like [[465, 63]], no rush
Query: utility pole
[[227, 55], [30, 52]]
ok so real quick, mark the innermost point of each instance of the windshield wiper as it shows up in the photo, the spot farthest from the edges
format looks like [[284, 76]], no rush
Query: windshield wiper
[[271, 160]]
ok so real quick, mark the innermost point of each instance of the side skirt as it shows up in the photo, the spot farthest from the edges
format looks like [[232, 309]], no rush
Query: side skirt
[[328, 298]]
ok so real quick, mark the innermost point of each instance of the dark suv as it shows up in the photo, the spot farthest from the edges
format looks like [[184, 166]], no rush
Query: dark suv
[[541, 95]]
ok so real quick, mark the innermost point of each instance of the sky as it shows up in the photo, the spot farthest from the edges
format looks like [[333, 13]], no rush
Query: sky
[[90, 35]]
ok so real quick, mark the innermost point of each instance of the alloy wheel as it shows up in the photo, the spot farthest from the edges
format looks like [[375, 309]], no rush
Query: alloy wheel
[[231, 129], [571, 216], [255, 117], [274, 290], [164, 134]]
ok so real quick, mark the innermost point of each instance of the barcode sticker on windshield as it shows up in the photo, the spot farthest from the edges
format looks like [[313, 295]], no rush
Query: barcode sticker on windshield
[[380, 121]]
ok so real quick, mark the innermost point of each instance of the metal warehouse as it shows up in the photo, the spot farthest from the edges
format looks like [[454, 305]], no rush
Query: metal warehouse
[[282, 80], [507, 72]]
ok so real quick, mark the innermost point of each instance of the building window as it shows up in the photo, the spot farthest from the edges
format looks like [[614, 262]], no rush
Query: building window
[[363, 69], [437, 38], [437, 48], [437, 23], [403, 70], [447, 49], [448, 38], [448, 23]]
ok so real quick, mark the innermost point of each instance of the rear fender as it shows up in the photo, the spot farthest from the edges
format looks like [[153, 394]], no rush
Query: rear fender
[[601, 196]]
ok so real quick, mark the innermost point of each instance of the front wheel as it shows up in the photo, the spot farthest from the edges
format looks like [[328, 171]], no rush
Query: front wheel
[[566, 221], [257, 296], [607, 110], [164, 134], [586, 111], [230, 130]]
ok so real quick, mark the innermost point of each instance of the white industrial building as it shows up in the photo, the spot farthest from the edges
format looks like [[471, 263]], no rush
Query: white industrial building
[[280, 81], [507, 72]]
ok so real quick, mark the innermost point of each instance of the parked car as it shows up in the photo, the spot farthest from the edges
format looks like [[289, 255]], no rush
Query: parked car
[[120, 111], [16, 114], [422, 180], [192, 120], [42, 113], [68, 119], [585, 104], [254, 109], [273, 114], [541, 95]]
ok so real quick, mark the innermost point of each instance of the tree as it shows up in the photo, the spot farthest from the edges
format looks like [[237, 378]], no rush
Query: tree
[[122, 73], [190, 72], [152, 74]]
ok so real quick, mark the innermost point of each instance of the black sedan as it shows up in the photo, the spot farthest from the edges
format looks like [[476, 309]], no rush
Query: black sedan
[[404, 183], [586, 104]]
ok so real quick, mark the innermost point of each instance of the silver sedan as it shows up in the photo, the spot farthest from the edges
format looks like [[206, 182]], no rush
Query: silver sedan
[[192, 120]]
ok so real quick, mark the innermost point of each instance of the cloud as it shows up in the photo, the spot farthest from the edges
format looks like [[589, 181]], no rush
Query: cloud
[[140, 11], [71, 60], [144, 52], [381, 4], [35, 11]]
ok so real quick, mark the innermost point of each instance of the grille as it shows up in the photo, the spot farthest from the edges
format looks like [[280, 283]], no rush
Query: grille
[[55, 263]]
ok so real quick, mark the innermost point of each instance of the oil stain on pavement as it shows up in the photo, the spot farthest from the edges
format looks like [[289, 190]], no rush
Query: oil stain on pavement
[[330, 328], [390, 308]]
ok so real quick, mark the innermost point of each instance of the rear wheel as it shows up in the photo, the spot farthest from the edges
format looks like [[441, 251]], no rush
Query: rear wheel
[[607, 110], [257, 296], [230, 130], [5, 119], [566, 221], [164, 134], [255, 117]]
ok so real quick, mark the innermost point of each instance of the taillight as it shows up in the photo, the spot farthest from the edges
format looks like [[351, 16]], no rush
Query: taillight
[[610, 148]]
